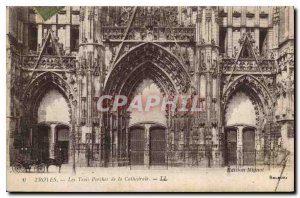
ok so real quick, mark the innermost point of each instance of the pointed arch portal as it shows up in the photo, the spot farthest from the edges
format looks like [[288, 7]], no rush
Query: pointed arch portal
[[245, 109], [49, 113], [146, 61]]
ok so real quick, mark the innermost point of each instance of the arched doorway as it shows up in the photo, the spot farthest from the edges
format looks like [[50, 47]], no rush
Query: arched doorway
[[53, 110], [49, 115], [247, 108], [145, 132], [150, 63], [240, 128]]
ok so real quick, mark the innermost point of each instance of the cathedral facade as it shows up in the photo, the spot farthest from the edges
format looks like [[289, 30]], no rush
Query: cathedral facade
[[238, 60]]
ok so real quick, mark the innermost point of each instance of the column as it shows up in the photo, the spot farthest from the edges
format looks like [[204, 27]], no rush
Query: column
[[229, 37], [229, 42], [52, 141], [256, 37], [68, 38], [40, 36], [68, 30], [147, 146], [54, 29], [239, 148], [127, 136]]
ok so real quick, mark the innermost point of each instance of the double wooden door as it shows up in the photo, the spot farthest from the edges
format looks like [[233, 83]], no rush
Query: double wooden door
[[156, 142]]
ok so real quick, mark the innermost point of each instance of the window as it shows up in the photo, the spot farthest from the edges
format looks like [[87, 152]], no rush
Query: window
[[263, 40], [32, 33], [74, 38], [222, 39]]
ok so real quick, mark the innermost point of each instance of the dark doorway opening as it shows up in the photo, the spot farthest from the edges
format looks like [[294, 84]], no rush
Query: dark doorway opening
[[41, 143], [62, 144], [62, 151]]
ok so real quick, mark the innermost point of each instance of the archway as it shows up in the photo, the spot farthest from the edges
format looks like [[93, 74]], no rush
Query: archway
[[241, 123], [243, 120], [146, 62], [53, 112], [49, 116]]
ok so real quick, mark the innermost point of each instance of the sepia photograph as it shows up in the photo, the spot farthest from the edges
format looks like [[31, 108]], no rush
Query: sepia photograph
[[150, 98]]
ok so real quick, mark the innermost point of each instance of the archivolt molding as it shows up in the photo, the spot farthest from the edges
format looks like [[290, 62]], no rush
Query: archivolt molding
[[257, 92], [40, 86], [166, 87], [163, 64], [252, 83]]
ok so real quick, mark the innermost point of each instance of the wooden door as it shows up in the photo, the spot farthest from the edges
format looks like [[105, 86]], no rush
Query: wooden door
[[157, 146], [249, 147], [137, 146], [231, 146]]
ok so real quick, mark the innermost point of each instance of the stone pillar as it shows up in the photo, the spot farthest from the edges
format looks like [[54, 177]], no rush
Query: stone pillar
[[68, 30], [127, 136], [52, 141], [229, 42], [111, 142], [89, 94], [243, 16], [40, 36], [239, 148], [147, 146], [54, 29], [214, 141], [256, 38], [229, 34], [90, 52], [9, 99], [68, 39]]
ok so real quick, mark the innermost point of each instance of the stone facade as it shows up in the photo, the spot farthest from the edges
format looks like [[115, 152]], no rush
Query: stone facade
[[239, 60]]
